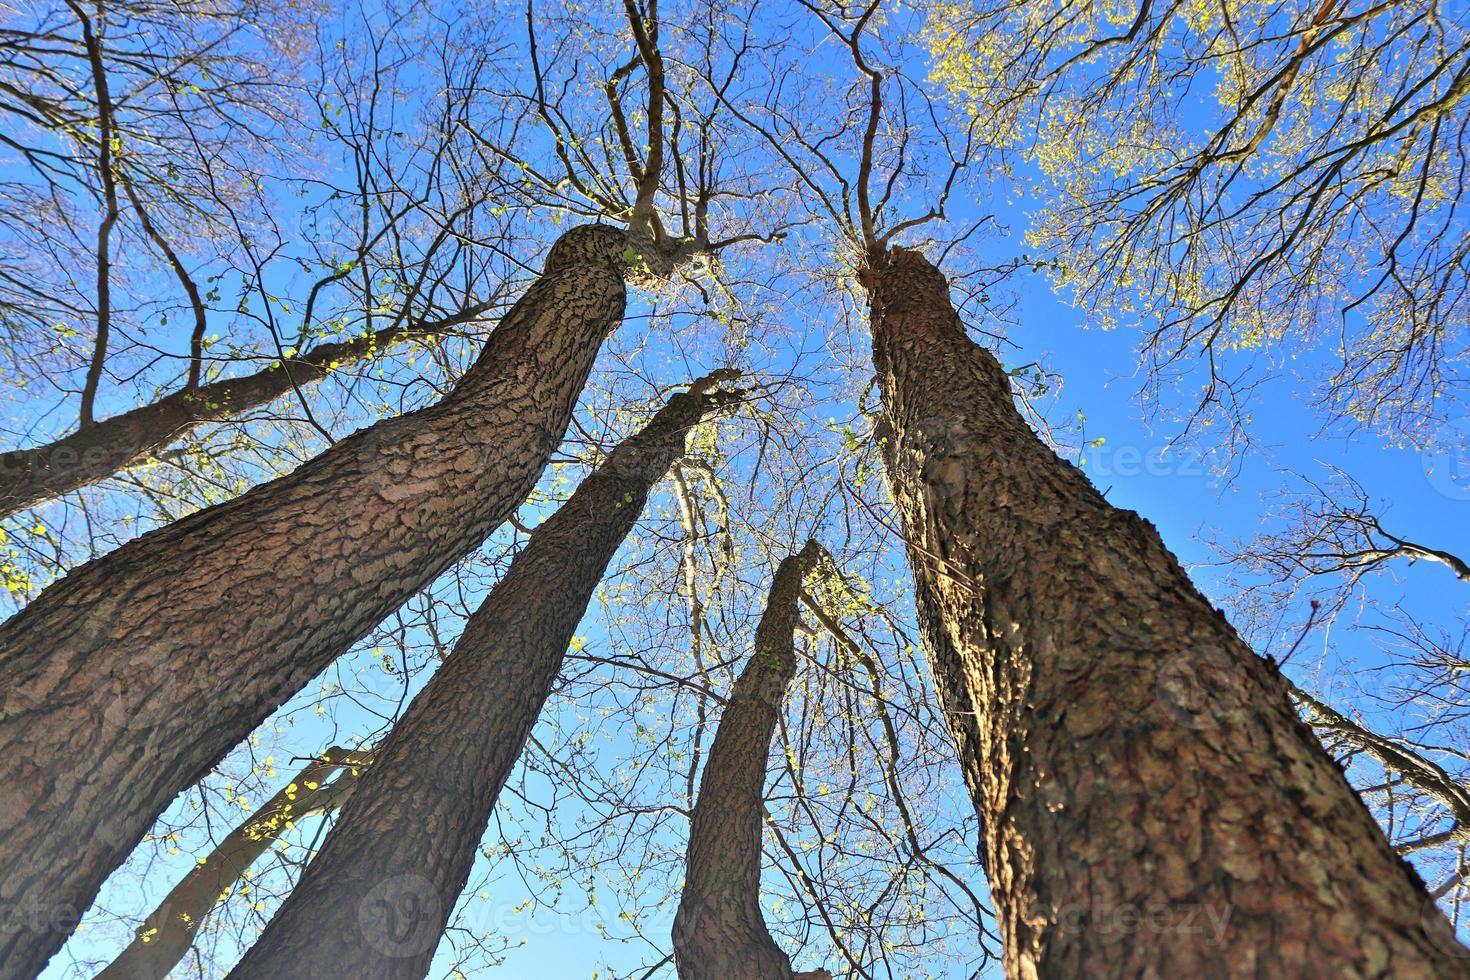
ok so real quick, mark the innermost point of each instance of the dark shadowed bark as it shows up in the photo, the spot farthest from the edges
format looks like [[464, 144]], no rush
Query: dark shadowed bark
[[719, 931], [151, 663], [165, 936], [1152, 804], [373, 903], [96, 451]]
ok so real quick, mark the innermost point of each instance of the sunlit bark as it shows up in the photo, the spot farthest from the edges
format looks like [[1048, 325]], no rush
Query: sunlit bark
[[1152, 804]]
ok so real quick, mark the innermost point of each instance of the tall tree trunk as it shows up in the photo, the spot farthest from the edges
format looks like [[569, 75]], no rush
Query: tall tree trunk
[[374, 901], [94, 452], [1152, 805], [166, 934], [719, 931], [151, 663]]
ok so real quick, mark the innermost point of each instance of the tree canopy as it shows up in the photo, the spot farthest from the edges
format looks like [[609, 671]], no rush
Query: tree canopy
[[1217, 249]]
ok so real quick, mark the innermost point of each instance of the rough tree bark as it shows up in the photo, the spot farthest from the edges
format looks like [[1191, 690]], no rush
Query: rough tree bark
[[373, 903], [1152, 805], [166, 934], [719, 931], [152, 662], [94, 452]]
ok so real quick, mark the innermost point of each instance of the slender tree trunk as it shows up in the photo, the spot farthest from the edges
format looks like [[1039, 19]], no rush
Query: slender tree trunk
[[1152, 804], [719, 931], [151, 663], [373, 903], [165, 936], [93, 453]]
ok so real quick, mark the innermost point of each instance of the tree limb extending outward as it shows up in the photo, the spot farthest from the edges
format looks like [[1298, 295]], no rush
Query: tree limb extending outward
[[166, 934], [97, 451]]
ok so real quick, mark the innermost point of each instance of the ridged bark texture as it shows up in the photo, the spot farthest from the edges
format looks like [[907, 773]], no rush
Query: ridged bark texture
[[93, 453], [127, 680], [1152, 805], [719, 931], [373, 903], [166, 934]]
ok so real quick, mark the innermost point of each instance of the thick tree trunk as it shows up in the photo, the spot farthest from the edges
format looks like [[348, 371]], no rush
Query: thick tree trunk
[[719, 931], [127, 680], [1152, 805], [373, 903], [93, 453], [165, 936]]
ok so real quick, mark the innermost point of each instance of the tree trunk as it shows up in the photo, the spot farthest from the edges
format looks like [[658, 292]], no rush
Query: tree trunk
[[1152, 804], [128, 679], [165, 936], [719, 931], [374, 902], [94, 452]]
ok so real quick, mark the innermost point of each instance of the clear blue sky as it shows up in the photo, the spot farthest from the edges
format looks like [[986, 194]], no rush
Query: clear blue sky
[[1181, 492]]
